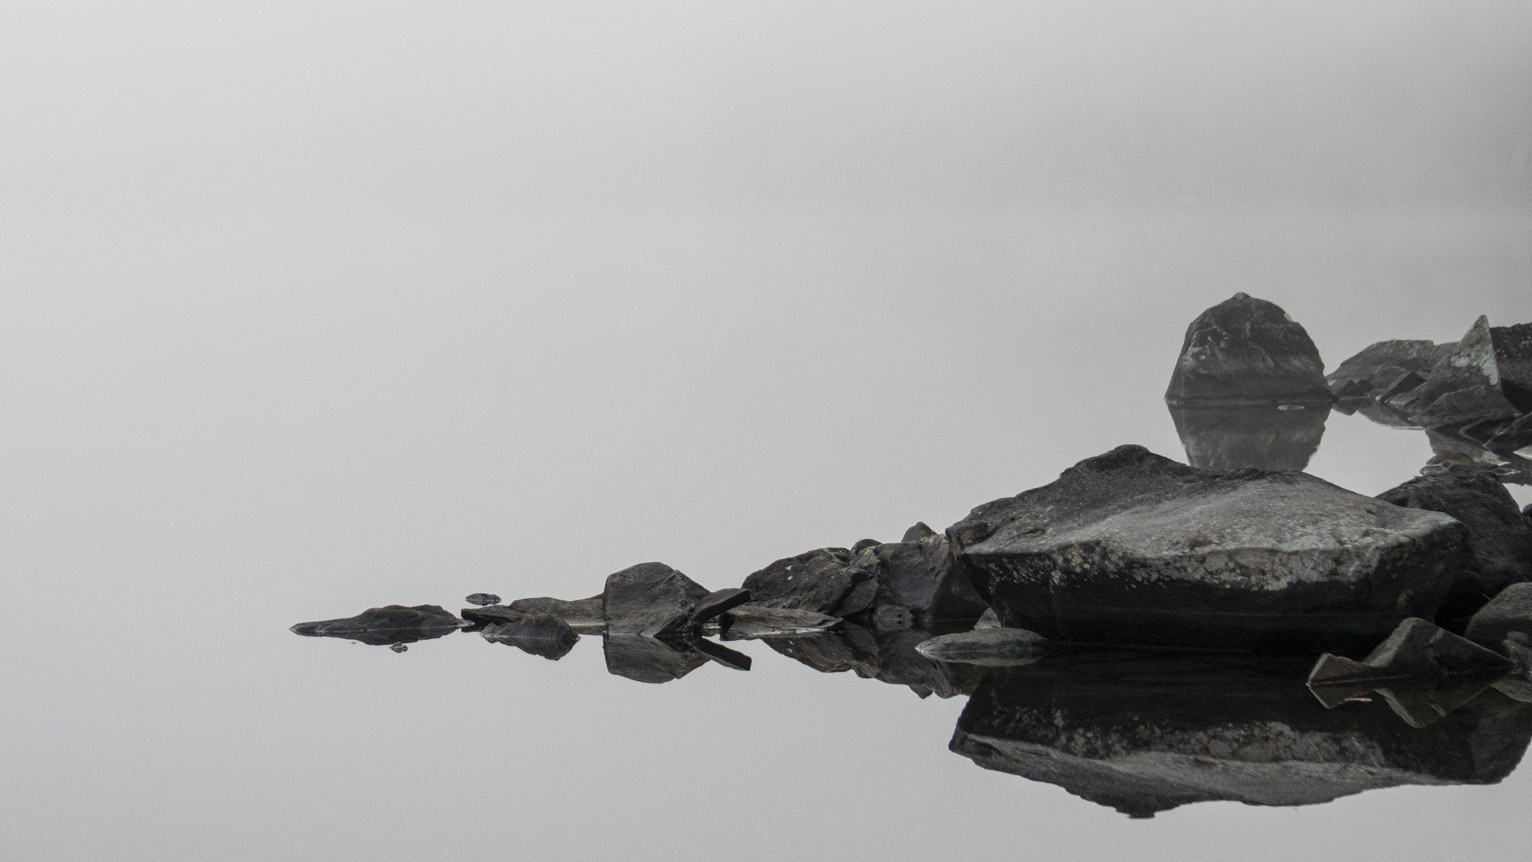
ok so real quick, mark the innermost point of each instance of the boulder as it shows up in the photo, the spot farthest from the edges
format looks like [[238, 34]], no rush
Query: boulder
[[825, 581], [908, 572], [1133, 548], [1463, 386], [1508, 613], [986, 647], [647, 595], [1247, 350], [1499, 538], [542, 635], [387, 625]]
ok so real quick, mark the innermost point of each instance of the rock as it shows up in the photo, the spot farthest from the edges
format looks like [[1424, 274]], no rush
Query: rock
[[1462, 386], [752, 622], [1132, 548], [641, 597], [1513, 361], [1385, 369], [1247, 350], [731, 659], [988, 620], [649, 660], [1518, 684], [987, 647], [823, 581], [1146, 733], [908, 573], [490, 615], [482, 599], [386, 625], [717, 602], [1499, 538], [918, 532], [1265, 436], [398, 647], [863, 545], [1507, 613], [585, 616], [1422, 670], [1514, 437], [542, 635], [889, 618]]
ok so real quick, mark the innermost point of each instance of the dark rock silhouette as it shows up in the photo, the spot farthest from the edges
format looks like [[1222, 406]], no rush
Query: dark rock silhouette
[[1147, 733], [1499, 538], [1386, 369], [387, 625], [991, 646], [1507, 614], [648, 595], [1132, 548], [717, 602], [1247, 350], [1268, 437], [482, 599], [586, 616], [542, 635]]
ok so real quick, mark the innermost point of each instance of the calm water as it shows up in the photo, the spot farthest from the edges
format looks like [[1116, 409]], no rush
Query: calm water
[[365, 414]]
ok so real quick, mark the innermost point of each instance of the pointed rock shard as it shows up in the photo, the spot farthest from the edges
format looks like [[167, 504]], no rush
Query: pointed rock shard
[[987, 647], [1247, 350], [648, 594], [1464, 385], [1134, 549], [387, 625]]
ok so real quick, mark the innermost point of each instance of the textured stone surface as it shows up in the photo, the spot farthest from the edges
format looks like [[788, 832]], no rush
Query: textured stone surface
[[1513, 361], [1386, 368], [1247, 350], [490, 615], [825, 581], [386, 625], [1133, 548], [647, 595], [717, 602], [908, 572], [1499, 538], [753, 622], [1507, 613]]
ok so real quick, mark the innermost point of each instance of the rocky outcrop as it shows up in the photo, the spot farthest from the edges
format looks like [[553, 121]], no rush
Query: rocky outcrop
[[1247, 350], [1132, 548], [825, 581], [387, 625]]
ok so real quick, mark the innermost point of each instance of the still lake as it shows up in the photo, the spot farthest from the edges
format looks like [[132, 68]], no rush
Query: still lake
[[216, 429]]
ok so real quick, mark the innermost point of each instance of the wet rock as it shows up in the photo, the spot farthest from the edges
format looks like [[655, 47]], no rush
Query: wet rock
[[1422, 670], [585, 616], [1462, 386], [825, 581], [1499, 538], [1132, 548], [641, 597], [717, 602], [387, 625], [492, 615], [987, 647], [753, 622], [1513, 361], [1508, 613], [1386, 369], [1146, 733], [482, 599], [542, 635], [1247, 350], [1268, 437]]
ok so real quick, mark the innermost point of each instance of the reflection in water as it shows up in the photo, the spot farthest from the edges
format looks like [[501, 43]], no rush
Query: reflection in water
[[1233, 437]]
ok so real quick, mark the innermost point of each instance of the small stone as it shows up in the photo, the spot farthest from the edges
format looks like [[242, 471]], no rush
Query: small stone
[[482, 599], [398, 647]]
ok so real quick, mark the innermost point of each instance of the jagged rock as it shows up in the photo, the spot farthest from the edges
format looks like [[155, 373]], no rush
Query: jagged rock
[[585, 616], [1462, 386], [641, 597], [863, 545], [908, 572], [1499, 538], [1247, 350], [1132, 548], [1422, 670], [1144, 734], [1386, 369], [1513, 437], [987, 647], [917, 532], [717, 602], [1269, 437], [825, 581], [731, 659], [542, 635], [1518, 684], [1506, 613], [387, 625], [482, 599], [988, 620], [753, 622]]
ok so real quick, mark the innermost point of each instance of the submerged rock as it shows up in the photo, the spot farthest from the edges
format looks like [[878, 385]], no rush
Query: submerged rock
[[482, 599], [1499, 538], [987, 647], [542, 635], [1132, 548], [1247, 350], [387, 625], [825, 581]]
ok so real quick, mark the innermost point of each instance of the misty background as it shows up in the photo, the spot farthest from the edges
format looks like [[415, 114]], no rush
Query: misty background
[[311, 307]]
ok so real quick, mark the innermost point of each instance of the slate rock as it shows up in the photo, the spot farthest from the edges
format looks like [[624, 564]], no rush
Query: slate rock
[[1247, 350], [1499, 538], [542, 635], [585, 616], [1132, 548], [824, 581], [717, 602], [482, 599], [649, 660], [1507, 613], [387, 625], [908, 573], [399, 647], [1386, 368], [493, 615], [1462, 386], [648, 594], [1513, 437], [987, 647], [754, 622]]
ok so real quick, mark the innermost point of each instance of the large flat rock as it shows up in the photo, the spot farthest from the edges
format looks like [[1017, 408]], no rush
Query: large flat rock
[[1132, 548]]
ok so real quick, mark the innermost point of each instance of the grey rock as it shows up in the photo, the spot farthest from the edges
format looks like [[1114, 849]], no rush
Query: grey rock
[[1499, 538], [387, 625], [649, 660], [646, 595], [482, 599], [918, 532], [892, 618], [542, 635], [1462, 386], [908, 573], [987, 647], [1386, 369], [824, 581], [1135, 549], [988, 620], [863, 545], [717, 602], [1513, 437], [398, 647], [585, 616], [492, 615], [754, 622], [1269, 437], [1508, 613], [1247, 350]]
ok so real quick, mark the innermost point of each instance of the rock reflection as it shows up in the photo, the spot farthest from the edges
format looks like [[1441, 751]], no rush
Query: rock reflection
[[1264, 436]]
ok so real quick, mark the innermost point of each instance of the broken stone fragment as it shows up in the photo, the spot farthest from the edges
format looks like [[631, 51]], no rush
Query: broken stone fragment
[[1247, 350], [1499, 538], [908, 572], [753, 622], [987, 647], [399, 647], [1508, 613], [1134, 549], [641, 597], [482, 599], [387, 625], [1514, 437], [1462, 386], [1422, 670], [542, 635], [824, 581]]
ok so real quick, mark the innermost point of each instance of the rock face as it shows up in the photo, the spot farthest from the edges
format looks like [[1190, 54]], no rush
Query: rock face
[[387, 625], [1146, 734], [1132, 548], [1247, 350], [1508, 614], [1499, 538]]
